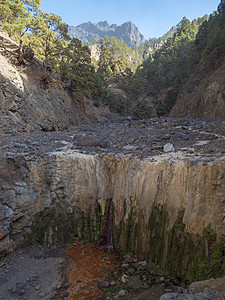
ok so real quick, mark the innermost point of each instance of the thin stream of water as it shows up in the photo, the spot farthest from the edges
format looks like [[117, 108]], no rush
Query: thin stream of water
[[109, 237]]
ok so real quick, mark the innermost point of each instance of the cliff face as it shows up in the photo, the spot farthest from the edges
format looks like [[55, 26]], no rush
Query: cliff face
[[27, 104], [203, 95], [156, 205], [127, 31]]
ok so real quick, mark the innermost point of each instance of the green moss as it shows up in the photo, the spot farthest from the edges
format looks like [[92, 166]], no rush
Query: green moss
[[125, 236], [157, 227], [213, 265], [209, 234], [185, 251], [192, 257], [183, 255], [130, 236], [57, 226]]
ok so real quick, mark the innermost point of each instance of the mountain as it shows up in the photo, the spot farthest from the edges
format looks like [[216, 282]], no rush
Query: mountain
[[127, 31]]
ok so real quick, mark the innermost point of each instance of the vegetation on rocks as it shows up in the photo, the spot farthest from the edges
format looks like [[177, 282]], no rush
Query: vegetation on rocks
[[181, 254]]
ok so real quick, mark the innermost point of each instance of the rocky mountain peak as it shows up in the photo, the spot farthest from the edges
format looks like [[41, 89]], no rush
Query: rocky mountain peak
[[127, 31], [103, 24]]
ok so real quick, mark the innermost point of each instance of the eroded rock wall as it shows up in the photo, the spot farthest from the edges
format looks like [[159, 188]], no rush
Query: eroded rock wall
[[28, 104], [203, 95], [159, 207]]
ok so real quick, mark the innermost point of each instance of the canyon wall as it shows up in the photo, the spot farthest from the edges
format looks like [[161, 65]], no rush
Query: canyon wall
[[166, 210], [203, 94]]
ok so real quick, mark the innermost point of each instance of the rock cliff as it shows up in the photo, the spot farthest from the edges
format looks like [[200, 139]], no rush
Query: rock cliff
[[127, 31], [27, 104], [149, 200], [203, 95], [167, 208]]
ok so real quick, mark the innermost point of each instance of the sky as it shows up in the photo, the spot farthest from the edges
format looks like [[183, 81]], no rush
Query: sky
[[152, 17]]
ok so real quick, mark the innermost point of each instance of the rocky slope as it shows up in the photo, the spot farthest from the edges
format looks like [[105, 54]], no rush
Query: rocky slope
[[203, 95], [127, 31], [27, 104]]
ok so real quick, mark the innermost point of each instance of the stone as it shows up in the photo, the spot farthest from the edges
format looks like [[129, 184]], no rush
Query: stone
[[14, 289], [42, 295], [18, 288], [142, 263], [184, 136], [103, 284], [131, 271], [208, 293], [122, 293], [175, 296], [198, 296], [5, 212], [124, 266], [129, 147], [124, 278], [169, 148], [91, 141]]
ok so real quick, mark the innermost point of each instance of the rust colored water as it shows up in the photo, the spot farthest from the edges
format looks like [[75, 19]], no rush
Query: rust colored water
[[90, 265]]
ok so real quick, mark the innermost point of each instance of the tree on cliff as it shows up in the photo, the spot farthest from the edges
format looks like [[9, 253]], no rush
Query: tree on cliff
[[28, 24], [49, 38], [169, 67], [18, 18], [9, 11], [76, 68], [210, 42]]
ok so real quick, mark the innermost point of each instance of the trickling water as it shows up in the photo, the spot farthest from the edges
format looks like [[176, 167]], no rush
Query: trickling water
[[109, 232]]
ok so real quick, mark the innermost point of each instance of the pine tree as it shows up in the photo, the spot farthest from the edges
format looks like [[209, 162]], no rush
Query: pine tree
[[49, 38], [76, 68]]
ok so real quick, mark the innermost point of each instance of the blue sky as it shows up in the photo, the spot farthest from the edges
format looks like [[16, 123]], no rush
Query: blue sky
[[152, 17]]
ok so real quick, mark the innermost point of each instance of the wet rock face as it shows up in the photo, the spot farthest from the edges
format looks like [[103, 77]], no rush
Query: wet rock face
[[168, 207], [156, 205]]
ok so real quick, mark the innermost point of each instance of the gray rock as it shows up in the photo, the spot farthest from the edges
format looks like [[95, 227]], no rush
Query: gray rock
[[129, 147], [184, 136], [175, 296], [103, 284], [142, 263], [42, 295], [5, 212], [122, 293], [91, 141], [199, 296], [169, 148], [208, 293]]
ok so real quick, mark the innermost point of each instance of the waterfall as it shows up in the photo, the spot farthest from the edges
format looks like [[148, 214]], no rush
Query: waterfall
[[109, 233]]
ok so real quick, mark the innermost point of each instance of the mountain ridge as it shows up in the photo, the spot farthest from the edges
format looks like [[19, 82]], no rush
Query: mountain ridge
[[127, 31]]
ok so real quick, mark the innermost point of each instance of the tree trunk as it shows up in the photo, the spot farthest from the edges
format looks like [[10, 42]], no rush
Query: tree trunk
[[20, 53]]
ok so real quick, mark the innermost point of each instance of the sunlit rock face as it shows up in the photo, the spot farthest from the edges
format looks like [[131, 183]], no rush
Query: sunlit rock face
[[196, 188], [27, 104], [157, 204]]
